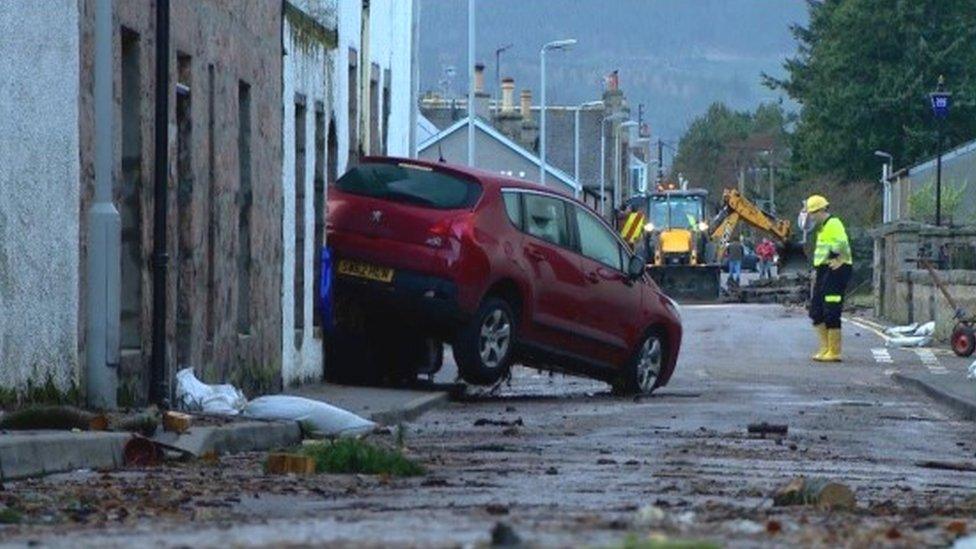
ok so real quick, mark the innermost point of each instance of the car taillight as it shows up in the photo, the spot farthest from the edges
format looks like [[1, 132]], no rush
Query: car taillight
[[440, 234]]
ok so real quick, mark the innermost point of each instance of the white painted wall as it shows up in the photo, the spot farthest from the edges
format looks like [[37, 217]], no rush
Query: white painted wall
[[389, 34], [305, 71], [39, 192]]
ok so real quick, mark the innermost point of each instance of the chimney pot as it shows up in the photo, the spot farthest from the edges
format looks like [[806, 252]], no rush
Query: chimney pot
[[508, 95], [526, 99], [479, 78]]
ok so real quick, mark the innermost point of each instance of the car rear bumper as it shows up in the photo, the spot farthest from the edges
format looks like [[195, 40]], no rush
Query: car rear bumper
[[425, 302]]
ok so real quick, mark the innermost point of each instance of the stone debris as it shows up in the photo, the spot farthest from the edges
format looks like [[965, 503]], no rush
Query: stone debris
[[815, 491]]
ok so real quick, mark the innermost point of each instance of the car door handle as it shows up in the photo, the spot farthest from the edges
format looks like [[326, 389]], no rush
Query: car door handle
[[593, 277], [535, 254]]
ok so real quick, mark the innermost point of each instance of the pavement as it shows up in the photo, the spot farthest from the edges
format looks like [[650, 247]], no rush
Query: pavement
[[935, 370], [34, 453], [564, 462]]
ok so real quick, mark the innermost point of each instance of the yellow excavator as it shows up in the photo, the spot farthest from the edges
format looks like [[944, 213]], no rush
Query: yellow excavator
[[682, 248]]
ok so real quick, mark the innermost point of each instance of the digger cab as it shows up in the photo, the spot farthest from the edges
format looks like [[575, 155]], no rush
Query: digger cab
[[676, 230]]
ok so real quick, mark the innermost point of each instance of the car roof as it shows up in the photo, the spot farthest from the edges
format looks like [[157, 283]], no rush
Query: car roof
[[488, 179]]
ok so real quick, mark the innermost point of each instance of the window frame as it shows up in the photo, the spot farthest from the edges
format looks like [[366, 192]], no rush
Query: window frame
[[623, 255]]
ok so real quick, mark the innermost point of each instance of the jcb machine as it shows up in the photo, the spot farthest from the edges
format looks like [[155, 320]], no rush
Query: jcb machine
[[682, 248], [679, 254]]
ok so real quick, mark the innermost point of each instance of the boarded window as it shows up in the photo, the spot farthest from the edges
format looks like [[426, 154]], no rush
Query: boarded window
[[244, 200], [319, 207], [212, 218], [299, 312], [128, 192], [184, 206]]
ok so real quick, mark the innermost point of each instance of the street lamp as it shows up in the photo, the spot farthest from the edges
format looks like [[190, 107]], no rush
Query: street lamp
[[617, 191], [554, 45], [498, 61], [576, 143], [886, 185], [941, 101], [603, 158]]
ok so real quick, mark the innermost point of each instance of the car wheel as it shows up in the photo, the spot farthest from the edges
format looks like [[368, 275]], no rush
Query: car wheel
[[644, 369], [483, 349]]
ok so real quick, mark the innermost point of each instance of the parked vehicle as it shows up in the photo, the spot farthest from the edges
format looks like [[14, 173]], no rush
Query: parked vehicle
[[505, 270]]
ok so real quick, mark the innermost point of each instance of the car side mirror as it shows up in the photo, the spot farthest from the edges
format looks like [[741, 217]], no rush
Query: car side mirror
[[636, 267]]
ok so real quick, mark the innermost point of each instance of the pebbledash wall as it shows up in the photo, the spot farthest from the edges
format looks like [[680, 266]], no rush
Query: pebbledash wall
[[307, 75], [39, 193]]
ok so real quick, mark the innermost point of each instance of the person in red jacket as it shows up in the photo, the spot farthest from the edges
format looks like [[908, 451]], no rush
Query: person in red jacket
[[765, 251]]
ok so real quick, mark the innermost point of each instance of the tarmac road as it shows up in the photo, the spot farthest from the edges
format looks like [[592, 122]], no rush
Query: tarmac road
[[589, 468]]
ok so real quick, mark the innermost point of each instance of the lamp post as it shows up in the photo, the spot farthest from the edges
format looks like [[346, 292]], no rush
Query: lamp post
[[554, 45], [576, 143], [886, 185], [471, 27], [940, 100], [617, 191], [498, 62], [603, 159]]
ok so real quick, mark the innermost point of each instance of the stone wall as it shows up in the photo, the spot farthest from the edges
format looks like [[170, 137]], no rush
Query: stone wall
[[39, 200], [216, 46]]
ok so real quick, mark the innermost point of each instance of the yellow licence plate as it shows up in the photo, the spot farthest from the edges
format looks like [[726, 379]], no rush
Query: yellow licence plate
[[365, 270]]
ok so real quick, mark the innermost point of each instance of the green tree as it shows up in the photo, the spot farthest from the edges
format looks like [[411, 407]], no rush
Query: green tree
[[722, 145], [862, 75]]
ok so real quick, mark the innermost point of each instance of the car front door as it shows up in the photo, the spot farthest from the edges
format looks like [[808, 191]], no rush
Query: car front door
[[612, 302], [557, 280]]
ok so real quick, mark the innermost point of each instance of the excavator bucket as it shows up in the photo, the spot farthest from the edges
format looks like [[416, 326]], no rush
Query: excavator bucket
[[687, 283]]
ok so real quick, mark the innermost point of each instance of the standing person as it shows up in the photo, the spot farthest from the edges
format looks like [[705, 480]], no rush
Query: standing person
[[765, 251], [833, 265], [735, 251]]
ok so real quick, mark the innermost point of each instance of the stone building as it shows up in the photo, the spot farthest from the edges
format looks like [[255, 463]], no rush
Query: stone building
[[270, 101]]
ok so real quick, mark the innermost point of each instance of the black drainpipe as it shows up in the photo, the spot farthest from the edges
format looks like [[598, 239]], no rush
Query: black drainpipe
[[157, 374]]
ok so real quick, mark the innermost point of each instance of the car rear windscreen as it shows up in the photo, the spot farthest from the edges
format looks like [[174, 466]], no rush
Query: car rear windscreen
[[417, 185]]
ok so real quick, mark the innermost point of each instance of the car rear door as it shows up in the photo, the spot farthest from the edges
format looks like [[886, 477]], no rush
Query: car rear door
[[611, 304], [557, 281]]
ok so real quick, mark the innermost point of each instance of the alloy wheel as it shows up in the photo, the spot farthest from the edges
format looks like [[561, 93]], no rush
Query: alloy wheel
[[495, 338], [649, 364]]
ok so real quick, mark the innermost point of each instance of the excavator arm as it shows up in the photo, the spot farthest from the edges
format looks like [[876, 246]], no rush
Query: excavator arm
[[736, 208]]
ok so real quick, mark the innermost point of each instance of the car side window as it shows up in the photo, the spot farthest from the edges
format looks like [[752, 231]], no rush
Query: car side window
[[597, 242], [545, 218], [513, 207]]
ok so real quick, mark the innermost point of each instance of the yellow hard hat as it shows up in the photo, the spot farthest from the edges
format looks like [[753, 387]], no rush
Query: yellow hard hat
[[816, 203]]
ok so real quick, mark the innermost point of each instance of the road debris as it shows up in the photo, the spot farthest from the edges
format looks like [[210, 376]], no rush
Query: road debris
[[815, 491], [176, 422], [947, 465], [481, 422], [502, 535], [139, 451], [911, 335], [284, 464], [193, 395], [763, 429]]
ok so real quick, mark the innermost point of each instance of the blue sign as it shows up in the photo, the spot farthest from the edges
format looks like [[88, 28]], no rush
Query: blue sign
[[940, 103]]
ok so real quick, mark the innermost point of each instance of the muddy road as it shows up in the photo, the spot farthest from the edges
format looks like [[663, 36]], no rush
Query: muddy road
[[565, 463]]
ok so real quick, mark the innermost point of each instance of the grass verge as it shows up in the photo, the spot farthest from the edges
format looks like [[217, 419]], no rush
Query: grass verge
[[350, 455]]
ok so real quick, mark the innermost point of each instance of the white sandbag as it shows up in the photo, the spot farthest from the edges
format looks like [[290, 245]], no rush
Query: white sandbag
[[324, 419], [910, 341], [972, 371], [902, 330], [193, 395], [926, 329]]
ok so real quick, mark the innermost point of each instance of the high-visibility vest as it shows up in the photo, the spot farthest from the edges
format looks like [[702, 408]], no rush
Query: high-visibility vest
[[633, 227], [832, 240]]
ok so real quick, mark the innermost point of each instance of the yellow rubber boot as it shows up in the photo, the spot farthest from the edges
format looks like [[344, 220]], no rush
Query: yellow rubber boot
[[833, 346], [822, 335]]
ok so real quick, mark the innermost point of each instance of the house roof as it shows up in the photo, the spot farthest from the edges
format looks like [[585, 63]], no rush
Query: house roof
[[558, 174]]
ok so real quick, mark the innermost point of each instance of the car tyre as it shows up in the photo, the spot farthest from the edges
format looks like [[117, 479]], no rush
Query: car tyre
[[641, 375], [484, 347]]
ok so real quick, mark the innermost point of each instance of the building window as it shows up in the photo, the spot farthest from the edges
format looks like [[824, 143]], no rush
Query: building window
[[374, 110], [299, 305], [212, 219], [128, 193], [319, 207], [184, 210], [244, 200], [353, 118], [386, 112]]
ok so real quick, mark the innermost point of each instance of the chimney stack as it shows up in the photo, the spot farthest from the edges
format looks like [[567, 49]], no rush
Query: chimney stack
[[508, 95], [479, 78], [526, 101]]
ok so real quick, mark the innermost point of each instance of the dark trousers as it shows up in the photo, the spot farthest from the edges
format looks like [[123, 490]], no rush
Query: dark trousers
[[827, 299]]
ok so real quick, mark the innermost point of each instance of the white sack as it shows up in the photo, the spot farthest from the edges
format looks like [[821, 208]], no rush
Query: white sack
[[926, 329], [193, 395], [910, 341], [902, 330], [325, 419]]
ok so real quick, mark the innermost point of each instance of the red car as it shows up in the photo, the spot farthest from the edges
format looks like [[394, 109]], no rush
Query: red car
[[504, 270]]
